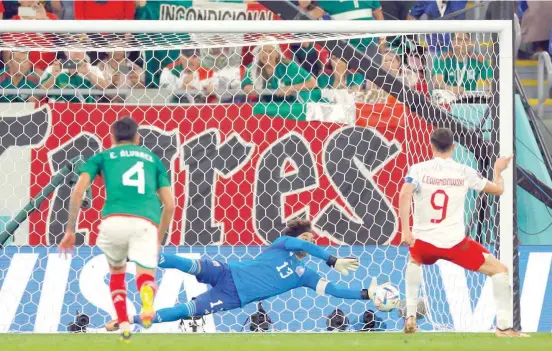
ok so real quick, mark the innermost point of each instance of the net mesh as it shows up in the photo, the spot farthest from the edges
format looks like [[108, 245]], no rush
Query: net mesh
[[254, 130]]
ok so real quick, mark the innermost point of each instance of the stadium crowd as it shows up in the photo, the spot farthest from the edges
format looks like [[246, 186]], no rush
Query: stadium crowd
[[300, 72]]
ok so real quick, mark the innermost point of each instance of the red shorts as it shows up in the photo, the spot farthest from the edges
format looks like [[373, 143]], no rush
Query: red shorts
[[468, 253]]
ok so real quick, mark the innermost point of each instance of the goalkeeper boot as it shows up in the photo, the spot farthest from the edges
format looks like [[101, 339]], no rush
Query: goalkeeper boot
[[410, 325], [148, 313], [510, 333], [112, 325], [126, 334]]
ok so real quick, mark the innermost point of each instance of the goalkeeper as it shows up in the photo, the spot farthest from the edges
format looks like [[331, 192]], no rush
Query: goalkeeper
[[279, 268]]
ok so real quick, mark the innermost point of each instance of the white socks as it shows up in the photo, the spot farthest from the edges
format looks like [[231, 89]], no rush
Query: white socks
[[502, 293], [413, 282]]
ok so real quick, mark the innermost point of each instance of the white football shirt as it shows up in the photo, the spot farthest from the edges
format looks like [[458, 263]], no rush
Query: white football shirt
[[440, 192]]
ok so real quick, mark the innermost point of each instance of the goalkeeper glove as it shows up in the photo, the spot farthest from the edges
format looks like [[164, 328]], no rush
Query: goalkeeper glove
[[343, 265], [367, 294]]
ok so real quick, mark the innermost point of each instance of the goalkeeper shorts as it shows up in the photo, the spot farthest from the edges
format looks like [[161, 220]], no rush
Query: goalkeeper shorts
[[223, 296]]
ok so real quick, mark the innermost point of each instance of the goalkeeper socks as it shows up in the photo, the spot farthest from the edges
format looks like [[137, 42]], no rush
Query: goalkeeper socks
[[502, 293], [413, 282], [172, 314], [117, 287], [183, 264]]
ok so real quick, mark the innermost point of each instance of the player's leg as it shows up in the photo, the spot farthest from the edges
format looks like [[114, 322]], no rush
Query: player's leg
[[143, 252], [114, 243], [473, 256], [183, 264], [420, 253], [206, 271]]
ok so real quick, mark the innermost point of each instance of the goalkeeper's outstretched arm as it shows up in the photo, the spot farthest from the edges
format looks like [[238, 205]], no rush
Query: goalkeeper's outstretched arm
[[324, 287], [342, 265]]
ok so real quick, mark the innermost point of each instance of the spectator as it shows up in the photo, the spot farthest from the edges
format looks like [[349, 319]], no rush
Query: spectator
[[18, 74], [340, 77], [306, 55], [536, 25], [1, 10], [393, 64], [271, 70], [10, 8], [64, 9], [228, 71], [188, 74], [396, 10], [352, 10], [104, 10], [155, 60], [121, 73], [35, 10], [458, 71], [73, 73], [435, 10]]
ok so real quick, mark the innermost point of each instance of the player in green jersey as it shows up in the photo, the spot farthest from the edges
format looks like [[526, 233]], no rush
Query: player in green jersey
[[133, 224]]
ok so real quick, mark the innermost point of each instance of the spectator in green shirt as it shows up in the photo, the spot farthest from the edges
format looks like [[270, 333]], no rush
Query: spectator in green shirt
[[18, 74], [271, 70], [340, 77], [74, 73], [355, 10], [458, 71]]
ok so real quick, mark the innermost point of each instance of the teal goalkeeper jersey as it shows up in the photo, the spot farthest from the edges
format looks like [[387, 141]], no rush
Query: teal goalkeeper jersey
[[275, 271]]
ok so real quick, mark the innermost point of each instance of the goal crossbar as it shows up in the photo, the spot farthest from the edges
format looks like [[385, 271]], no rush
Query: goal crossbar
[[111, 26]]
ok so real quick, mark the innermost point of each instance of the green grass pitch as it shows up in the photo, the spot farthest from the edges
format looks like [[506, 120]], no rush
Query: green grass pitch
[[275, 342]]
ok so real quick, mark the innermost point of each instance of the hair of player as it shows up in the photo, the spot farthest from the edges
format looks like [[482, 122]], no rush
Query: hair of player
[[442, 139], [124, 129], [297, 227]]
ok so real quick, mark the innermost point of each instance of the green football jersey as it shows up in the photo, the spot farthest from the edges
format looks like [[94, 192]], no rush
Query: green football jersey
[[29, 81], [157, 59], [132, 175], [75, 81], [464, 73], [352, 10]]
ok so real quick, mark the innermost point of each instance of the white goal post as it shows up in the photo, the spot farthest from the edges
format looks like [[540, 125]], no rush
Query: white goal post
[[196, 129]]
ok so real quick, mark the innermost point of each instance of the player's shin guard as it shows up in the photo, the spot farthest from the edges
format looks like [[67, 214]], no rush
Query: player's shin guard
[[413, 282], [502, 293], [117, 287], [183, 264]]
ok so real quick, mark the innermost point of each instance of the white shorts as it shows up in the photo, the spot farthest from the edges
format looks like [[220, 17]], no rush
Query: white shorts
[[133, 237]]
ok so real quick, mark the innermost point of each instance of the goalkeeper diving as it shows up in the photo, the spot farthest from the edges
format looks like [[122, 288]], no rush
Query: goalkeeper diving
[[278, 269]]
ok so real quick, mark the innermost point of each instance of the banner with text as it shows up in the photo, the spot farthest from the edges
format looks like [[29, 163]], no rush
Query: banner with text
[[41, 291], [237, 177]]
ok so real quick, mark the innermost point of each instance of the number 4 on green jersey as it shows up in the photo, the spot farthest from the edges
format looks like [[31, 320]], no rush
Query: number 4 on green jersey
[[132, 175]]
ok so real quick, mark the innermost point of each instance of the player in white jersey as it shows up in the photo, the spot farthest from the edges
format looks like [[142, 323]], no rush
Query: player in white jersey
[[439, 187]]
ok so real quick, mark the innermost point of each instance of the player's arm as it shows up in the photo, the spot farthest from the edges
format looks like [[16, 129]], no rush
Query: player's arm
[[75, 204], [87, 174], [342, 265], [166, 198], [496, 186], [405, 203], [312, 280]]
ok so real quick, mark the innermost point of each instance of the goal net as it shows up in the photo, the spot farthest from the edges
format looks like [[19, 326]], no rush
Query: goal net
[[257, 124]]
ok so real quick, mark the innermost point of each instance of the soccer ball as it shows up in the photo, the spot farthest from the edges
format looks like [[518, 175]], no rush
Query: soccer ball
[[386, 297]]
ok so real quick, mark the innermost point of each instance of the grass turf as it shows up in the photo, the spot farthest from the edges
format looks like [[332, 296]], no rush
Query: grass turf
[[275, 342]]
